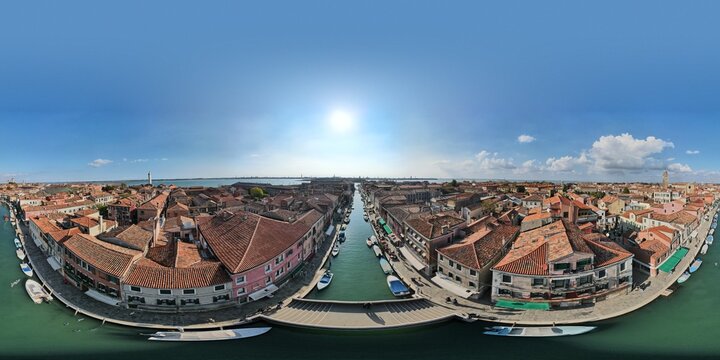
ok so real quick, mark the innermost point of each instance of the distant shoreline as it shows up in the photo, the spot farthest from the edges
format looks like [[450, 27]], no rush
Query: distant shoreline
[[234, 178]]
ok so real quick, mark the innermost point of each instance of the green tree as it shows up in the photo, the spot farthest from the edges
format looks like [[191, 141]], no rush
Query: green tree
[[257, 192], [521, 189], [625, 191], [454, 183], [103, 209]]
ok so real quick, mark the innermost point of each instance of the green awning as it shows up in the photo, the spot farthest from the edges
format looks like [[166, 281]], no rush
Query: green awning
[[381, 222], [518, 305], [670, 264], [387, 229]]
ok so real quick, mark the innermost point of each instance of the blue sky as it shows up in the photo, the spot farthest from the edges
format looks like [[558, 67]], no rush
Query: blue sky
[[605, 91]]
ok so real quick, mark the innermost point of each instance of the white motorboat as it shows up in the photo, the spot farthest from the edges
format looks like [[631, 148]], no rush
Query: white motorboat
[[684, 277], [369, 242], [704, 249], [36, 291], [373, 238], [212, 335], [396, 286], [26, 269], [20, 254], [18, 244], [366, 218], [325, 280], [541, 331], [385, 265], [336, 250], [377, 251]]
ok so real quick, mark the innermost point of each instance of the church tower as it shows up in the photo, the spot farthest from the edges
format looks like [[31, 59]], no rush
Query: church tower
[[149, 178], [666, 180]]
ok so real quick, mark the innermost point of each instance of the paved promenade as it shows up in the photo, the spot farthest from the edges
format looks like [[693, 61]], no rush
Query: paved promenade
[[603, 310]]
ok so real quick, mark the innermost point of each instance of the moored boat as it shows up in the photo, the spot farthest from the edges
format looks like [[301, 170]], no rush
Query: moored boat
[[18, 244], [336, 250], [385, 265], [26, 269], [20, 254], [695, 265], [366, 218], [377, 251], [36, 291], [212, 335], [709, 240], [369, 242], [325, 280], [704, 249], [373, 238], [342, 236], [684, 277], [396, 286], [540, 331]]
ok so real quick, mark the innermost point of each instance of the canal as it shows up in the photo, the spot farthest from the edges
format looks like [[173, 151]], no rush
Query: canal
[[356, 270], [685, 324]]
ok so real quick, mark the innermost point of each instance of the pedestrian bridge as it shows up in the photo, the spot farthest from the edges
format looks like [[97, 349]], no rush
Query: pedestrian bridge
[[345, 315]]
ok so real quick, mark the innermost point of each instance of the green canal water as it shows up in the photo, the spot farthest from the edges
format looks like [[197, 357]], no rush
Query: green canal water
[[685, 325]]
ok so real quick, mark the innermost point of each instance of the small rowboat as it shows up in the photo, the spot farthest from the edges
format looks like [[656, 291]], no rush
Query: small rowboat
[[26, 269], [36, 291], [397, 287], [704, 249], [385, 265], [684, 277], [20, 254], [212, 335], [695, 265], [18, 244], [336, 250], [325, 280], [377, 251], [543, 331]]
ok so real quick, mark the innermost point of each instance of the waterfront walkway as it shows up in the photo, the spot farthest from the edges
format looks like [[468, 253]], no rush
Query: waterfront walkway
[[341, 315]]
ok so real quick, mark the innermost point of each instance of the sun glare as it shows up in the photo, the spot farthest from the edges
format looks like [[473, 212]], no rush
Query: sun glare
[[341, 121]]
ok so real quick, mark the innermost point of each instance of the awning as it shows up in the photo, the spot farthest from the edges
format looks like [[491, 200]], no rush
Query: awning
[[412, 259], [387, 229], [671, 262], [452, 287], [330, 230], [38, 242], [54, 264], [381, 222], [266, 292], [102, 297], [518, 305], [694, 234]]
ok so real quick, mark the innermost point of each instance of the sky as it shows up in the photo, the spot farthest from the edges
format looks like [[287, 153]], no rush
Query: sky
[[605, 91]]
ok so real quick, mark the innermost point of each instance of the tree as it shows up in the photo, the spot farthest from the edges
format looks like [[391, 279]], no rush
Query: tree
[[626, 191], [454, 183], [257, 192], [108, 188], [103, 209], [521, 189]]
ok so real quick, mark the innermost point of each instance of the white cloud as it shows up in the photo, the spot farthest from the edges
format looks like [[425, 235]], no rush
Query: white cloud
[[164, 159], [624, 152], [491, 161], [566, 163], [254, 155], [680, 168], [525, 139], [528, 166], [99, 162], [139, 160], [692, 152]]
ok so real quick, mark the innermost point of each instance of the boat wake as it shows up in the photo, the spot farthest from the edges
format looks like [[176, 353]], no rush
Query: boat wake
[[12, 284]]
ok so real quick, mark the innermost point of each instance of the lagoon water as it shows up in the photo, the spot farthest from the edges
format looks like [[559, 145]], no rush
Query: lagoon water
[[687, 324]]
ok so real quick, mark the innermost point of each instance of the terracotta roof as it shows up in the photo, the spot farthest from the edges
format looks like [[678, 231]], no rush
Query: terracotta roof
[[45, 224], [60, 236], [430, 226], [156, 203], [537, 216], [606, 252], [243, 240], [112, 259], [132, 235], [149, 274], [480, 248]]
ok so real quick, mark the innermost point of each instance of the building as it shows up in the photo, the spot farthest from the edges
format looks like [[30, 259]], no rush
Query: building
[[123, 211], [425, 233], [652, 247], [532, 201], [152, 208], [559, 266], [666, 180]]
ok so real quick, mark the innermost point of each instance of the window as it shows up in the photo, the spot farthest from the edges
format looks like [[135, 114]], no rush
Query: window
[[188, 291], [279, 259], [240, 291], [268, 268], [507, 279], [473, 272], [288, 265], [165, 292], [440, 257], [471, 284], [220, 287], [135, 288], [451, 263], [622, 267], [561, 266], [584, 262], [538, 282], [240, 280], [601, 274], [268, 280]]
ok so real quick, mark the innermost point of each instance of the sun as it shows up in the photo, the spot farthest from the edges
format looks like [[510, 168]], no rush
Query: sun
[[341, 121]]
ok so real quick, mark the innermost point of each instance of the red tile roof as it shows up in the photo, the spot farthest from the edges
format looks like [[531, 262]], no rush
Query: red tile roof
[[112, 259], [149, 274], [480, 248]]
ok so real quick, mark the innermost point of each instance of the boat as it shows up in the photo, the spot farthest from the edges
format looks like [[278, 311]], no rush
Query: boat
[[341, 236], [211, 335], [369, 242], [683, 278], [325, 280], [36, 291], [18, 244], [540, 331], [336, 250], [343, 227], [709, 240], [712, 232], [385, 265], [366, 218], [396, 286], [704, 249], [373, 238], [26, 269], [377, 251], [20, 254], [695, 265]]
